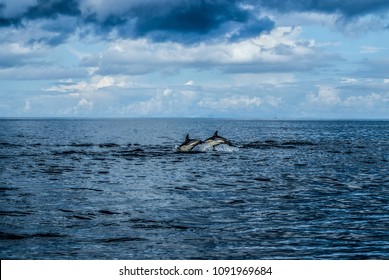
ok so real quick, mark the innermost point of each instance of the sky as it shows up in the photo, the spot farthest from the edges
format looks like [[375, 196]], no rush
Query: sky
[[263, 59]]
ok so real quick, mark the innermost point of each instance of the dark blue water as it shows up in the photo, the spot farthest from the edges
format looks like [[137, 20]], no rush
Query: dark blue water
[[117, 189]]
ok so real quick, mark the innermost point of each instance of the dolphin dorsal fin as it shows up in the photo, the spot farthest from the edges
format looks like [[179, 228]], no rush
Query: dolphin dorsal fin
[[187, 137], [215, 134]]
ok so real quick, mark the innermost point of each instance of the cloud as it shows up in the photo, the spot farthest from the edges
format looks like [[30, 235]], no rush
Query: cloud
[[83, 107], [370, 49], [27, 106], [22, 60], [12, 14], [352, 18], [234, 102], [84, 104], [12, 9], [119, 96], [344, 103], [348, 8], [330, 97], [36, 71], [185, 21], [45, 31], [193, 21], [99, 96], [16, 54], [372, 100], [373, 67], [166, 102], [281, 50], [182, 21], [96, 83], [239, 102], [140, 57], [326, 96], [348, 80]]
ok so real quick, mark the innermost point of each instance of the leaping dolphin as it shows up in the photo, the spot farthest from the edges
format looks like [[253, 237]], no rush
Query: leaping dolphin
[[216, 140], [189, 144]]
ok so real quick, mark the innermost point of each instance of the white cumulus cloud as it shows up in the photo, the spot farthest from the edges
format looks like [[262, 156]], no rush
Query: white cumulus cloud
[[281, 50], [326, 96], [232, 102]]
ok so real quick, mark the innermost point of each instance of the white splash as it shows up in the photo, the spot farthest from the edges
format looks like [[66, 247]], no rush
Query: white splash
[[220, 148]]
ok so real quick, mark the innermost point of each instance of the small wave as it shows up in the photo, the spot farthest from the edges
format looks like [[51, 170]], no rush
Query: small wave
[[299, 143], [80, 217], [107, 212], [81, 144], [14, 213], [275, 144], [86, 189], [66, 210], [15, 236], [6, 156], [183, 188], [11, 145], [69, 152], [262, 179], [122, 239], [148, 224], [3, 189], [138, 152], [108, 145], [48, 235], [57, 169], [261, 144], [236, 201]]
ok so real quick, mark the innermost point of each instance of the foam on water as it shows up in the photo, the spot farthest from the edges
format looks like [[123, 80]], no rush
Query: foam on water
[[221, 148]]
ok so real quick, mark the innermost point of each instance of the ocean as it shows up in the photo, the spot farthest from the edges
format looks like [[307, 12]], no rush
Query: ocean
[[118, 189]]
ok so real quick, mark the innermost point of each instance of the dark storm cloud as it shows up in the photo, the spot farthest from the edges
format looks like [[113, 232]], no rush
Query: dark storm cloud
[[199, 20], [41, 10], [181, 21], [348, 8], [56, 19], [50, 9], [187, 16]]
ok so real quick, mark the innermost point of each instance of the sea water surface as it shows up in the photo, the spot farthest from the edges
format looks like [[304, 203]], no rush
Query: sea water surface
[[117, 189]]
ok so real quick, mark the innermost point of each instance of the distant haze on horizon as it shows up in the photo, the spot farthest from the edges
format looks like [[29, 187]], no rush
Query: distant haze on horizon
[[261, 59]]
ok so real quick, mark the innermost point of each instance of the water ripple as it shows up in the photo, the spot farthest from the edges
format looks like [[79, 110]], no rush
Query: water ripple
[[103, 189]]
